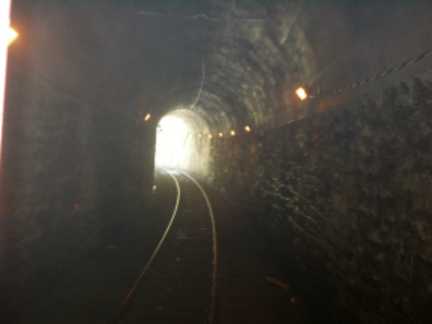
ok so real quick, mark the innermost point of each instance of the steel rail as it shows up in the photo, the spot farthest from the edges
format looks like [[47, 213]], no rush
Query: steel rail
[[215, 260], [129, 298]]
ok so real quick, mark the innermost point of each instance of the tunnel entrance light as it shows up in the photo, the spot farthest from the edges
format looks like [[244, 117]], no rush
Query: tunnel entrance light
[[172, 149], [181, 142], [302, 93]]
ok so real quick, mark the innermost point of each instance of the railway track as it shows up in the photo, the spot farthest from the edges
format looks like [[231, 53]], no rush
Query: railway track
[[178, 282]]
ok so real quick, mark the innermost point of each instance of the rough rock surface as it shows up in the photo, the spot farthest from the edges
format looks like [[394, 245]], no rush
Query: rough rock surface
[[345, 195]]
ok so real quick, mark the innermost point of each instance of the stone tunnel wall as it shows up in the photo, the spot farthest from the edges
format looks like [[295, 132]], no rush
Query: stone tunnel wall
[[78, 156], [343, 201]]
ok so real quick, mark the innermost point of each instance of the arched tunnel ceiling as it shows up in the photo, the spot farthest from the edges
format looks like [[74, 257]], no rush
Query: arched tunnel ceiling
[[255, 52], [234, 62], [259, 51]]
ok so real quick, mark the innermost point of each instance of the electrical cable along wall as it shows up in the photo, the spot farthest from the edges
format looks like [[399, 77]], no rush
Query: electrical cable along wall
[[343, 198], [90, 82], [340, 192]]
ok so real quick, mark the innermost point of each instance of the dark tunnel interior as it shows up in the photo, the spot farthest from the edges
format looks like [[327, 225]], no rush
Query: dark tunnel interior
[[307, 123]]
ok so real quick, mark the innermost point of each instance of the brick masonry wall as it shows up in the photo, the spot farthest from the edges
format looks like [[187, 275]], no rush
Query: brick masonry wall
[[345, 195]]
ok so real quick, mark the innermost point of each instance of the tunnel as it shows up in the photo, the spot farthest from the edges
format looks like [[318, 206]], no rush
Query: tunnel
[[216, 161]]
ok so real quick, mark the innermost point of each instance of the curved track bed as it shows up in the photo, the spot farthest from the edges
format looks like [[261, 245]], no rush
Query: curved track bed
[[178, 282]]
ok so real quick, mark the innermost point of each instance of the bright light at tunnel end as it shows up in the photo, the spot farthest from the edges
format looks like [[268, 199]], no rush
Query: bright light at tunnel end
[[171, 145], [183, 142]]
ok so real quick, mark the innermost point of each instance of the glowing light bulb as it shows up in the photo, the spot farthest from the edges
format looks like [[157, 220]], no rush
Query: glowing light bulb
[[233, 133], [221, 135], [7, 36], [210, 136], [11, 36], [147, 117], [302, 93], [247, 129]]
